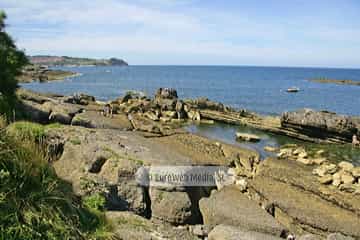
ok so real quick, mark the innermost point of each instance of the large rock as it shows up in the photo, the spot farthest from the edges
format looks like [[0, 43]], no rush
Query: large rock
[[79, 98], [166, 93], [171, 207], [204, 103], [229, 206], [61, 112], [321, 125], [225, 232], [35, 112]]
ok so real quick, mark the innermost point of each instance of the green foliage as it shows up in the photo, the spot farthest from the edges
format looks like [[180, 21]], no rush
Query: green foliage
[[23, 130], [11, 62], [27, 130], [35, 203], [94, 202]]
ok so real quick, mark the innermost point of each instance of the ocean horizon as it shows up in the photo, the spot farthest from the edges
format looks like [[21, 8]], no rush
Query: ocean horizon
[[261, 89]]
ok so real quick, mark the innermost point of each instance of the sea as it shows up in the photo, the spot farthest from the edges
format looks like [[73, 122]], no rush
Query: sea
[[258, 89]]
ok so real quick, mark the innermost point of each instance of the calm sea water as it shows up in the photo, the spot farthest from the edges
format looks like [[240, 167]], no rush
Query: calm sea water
[[259, 89]]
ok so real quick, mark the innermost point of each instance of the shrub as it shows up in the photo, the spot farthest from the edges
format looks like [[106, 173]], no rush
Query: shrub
[[12, 60]]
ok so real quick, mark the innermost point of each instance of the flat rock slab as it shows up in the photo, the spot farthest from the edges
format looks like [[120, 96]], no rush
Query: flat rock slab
[[225, 232], [247, 137], [94, 119], [301, 203], [229, 206], [204, 151], [301, 176]]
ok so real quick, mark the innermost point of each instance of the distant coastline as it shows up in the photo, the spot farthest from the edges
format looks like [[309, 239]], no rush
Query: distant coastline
[[53, 61], [336, 81]]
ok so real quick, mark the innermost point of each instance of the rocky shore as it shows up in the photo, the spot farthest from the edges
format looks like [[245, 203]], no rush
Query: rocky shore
[[296, 195], [42, 73]]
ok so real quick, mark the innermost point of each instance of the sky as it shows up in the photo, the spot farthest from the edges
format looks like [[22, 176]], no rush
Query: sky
[[321, 33]]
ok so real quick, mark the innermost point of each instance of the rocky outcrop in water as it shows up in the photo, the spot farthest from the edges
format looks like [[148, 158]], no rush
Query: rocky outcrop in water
[[42, 74], [321, 124]]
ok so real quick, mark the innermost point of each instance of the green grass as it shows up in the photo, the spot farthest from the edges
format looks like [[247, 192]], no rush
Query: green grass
[[335, 153], [34, 202], [29, 130], [95, 202]]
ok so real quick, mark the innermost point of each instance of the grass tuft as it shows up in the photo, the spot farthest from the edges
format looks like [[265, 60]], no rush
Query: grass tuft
[[34, 202]]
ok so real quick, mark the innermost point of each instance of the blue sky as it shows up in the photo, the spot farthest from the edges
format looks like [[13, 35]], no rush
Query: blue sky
[[229, 32]]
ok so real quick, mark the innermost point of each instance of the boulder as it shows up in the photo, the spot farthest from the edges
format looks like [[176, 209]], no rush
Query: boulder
[[79, 98], [194, 115], [247, 137], [325, 169], [346, 166], [229, 206], [225, 232], [130, 95], [171, 207], [166, 104], [271, 149], [327, 179], [322, 125], [35, 112], [318, 161], [60, 117], [347, 178], [166, 93]]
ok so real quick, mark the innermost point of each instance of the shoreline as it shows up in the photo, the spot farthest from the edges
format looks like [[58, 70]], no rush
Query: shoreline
[[145, 131], [43, 74]]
